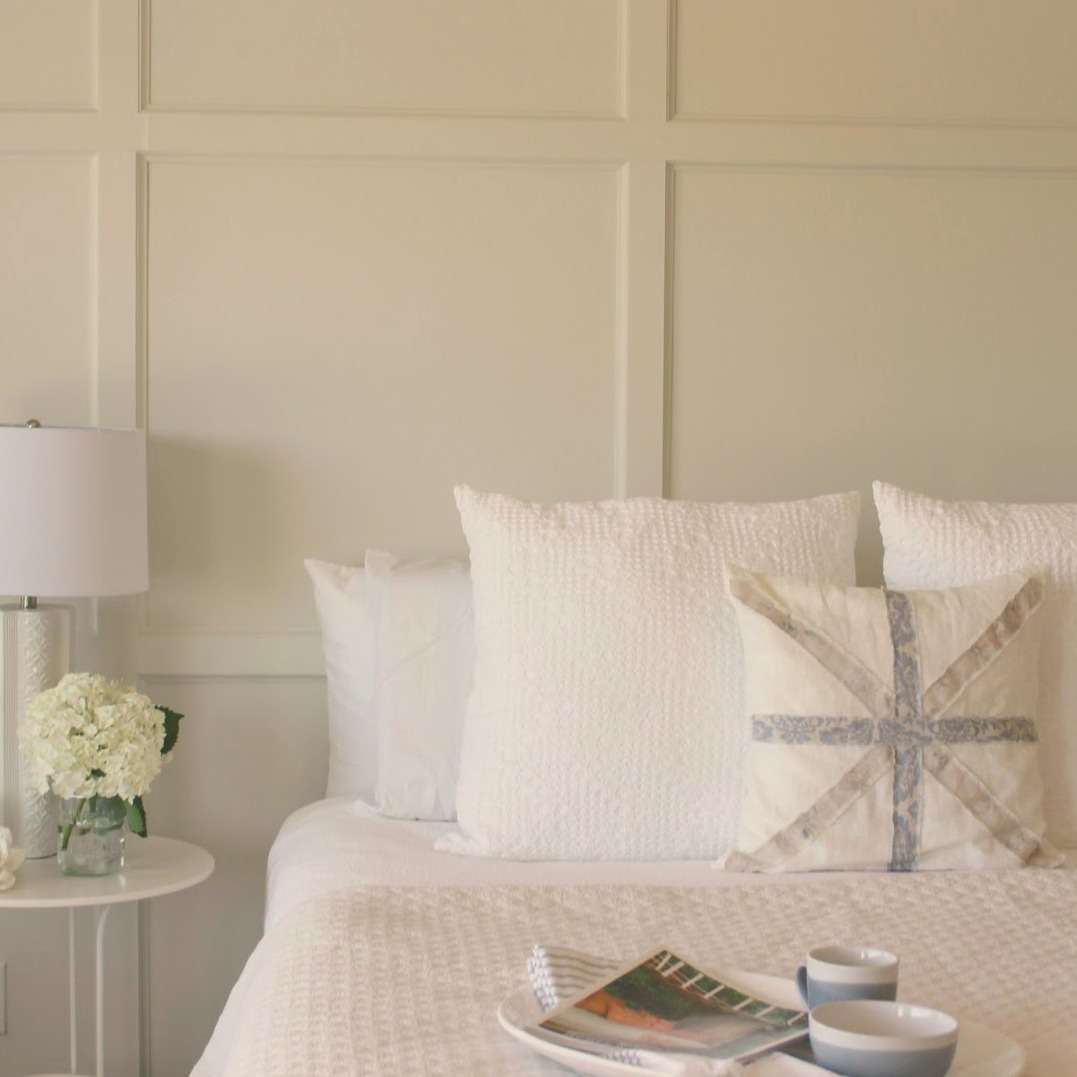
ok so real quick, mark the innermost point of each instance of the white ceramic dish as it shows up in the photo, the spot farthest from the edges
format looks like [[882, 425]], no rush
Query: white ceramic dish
[[981, 1051], [882, 1037]]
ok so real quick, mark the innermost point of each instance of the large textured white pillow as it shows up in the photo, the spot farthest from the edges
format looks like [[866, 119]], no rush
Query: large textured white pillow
[[604, 720], [890, 730], [347, 623], [932, 543], [425, 655]]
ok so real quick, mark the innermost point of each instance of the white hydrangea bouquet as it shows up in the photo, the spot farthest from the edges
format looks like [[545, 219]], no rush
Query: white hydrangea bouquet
[[91, 738]]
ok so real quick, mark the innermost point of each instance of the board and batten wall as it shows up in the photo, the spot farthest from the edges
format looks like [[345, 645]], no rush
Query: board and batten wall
[[338, 256]]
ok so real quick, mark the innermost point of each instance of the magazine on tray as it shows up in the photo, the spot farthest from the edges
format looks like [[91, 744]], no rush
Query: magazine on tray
[[665, 1003]]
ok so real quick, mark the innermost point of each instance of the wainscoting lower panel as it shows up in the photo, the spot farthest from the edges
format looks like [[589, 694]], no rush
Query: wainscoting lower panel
[[226, 790]]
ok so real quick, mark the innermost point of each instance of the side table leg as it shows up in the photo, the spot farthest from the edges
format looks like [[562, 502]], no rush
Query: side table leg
[[72, 994], [99, 991]]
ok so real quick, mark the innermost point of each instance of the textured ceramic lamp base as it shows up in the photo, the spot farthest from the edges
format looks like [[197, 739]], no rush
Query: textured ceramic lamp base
[[36, 654]]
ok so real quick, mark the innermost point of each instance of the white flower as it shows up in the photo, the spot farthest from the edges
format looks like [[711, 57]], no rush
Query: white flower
[[11, 859], [90, 736]]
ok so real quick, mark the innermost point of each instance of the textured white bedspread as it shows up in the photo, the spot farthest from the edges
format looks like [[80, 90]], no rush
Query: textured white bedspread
[[406, 980], [341, 843]]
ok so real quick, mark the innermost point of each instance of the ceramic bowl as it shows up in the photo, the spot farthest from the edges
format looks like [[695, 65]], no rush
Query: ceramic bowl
[[874, 1038]]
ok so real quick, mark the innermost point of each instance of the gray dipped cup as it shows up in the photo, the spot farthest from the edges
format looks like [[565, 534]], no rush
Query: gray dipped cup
[[844, 973]]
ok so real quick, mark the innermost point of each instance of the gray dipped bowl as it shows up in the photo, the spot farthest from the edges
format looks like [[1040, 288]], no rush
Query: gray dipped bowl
[[871, 1038]]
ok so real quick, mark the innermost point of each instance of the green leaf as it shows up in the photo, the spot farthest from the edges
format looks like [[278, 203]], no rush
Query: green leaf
[[136, 816], [172, 721]]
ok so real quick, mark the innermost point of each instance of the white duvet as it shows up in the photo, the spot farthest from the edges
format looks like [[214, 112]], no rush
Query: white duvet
[[340, 843], [366, 978]]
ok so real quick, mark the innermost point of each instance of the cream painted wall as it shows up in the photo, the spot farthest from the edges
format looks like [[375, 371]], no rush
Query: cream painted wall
[[336, 257]]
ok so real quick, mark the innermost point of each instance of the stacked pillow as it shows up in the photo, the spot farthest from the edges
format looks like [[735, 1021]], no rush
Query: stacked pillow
[[604, 721], [891, 730], [399, 652], [933, 543], [348, 626], [598, 657], [424, 657]]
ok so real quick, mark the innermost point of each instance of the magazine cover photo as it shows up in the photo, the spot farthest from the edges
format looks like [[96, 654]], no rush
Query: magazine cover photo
[[664, 1001]]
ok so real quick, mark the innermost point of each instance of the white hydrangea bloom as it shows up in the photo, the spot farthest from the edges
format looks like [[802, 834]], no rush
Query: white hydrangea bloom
[[90, 736]]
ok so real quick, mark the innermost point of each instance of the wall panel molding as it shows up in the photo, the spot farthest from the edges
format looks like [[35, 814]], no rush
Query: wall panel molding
[[477, 355], [47, 255], [512, 58], [891, 319], [49, 56], [227, 654], [850, 62]]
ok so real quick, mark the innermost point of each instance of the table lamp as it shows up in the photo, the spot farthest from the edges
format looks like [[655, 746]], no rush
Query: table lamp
[[74, 525]]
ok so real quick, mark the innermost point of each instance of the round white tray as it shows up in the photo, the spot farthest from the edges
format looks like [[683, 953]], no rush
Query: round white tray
[[981, 1051]]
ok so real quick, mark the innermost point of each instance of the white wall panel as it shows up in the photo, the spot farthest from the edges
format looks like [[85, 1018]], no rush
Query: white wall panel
[[333, 346], [46, 289], [48, 371], [918, 60], [47, 54], [234, 733], [832, 327], [491, 57], [227, 790], [340, 255]]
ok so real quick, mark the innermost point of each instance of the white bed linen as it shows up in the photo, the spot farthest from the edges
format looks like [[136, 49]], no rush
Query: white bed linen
[[342, 843], [337, 870]]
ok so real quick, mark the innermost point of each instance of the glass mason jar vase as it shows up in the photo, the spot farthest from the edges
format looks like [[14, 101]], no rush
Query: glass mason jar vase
[[90, 836]]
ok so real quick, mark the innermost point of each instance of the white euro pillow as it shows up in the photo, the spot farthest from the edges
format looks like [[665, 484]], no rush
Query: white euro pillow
[[605, 717], [928, 542], [425, 654], [347, 625]]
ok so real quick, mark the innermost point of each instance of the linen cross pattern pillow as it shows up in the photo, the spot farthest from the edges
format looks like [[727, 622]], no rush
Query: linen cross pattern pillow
[[933, 543], [603, 719], [890, 730]]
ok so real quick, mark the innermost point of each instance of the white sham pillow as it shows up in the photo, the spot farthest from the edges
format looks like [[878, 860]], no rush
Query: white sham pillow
[[425, 655], [932, 543], [342, 601], [604, 721]]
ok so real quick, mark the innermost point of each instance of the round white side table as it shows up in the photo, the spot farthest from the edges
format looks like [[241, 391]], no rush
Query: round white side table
[[153, 867]]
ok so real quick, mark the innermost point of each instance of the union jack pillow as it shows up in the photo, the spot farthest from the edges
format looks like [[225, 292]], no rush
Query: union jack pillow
[[890, 730]]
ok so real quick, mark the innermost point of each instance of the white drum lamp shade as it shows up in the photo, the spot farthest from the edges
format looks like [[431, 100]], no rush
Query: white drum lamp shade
[[74, 525], [74, 505]]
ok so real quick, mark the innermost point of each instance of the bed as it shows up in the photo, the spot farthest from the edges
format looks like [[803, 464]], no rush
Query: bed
[[386, 951], [354, 897]]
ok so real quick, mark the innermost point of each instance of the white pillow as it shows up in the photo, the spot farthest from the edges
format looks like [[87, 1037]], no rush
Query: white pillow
[[347, 623], [425, 655], [890, 730], [932, 543], [605, 720]]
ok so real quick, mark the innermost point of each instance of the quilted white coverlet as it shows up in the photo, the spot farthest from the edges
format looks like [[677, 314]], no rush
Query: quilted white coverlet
[[395, 980]]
